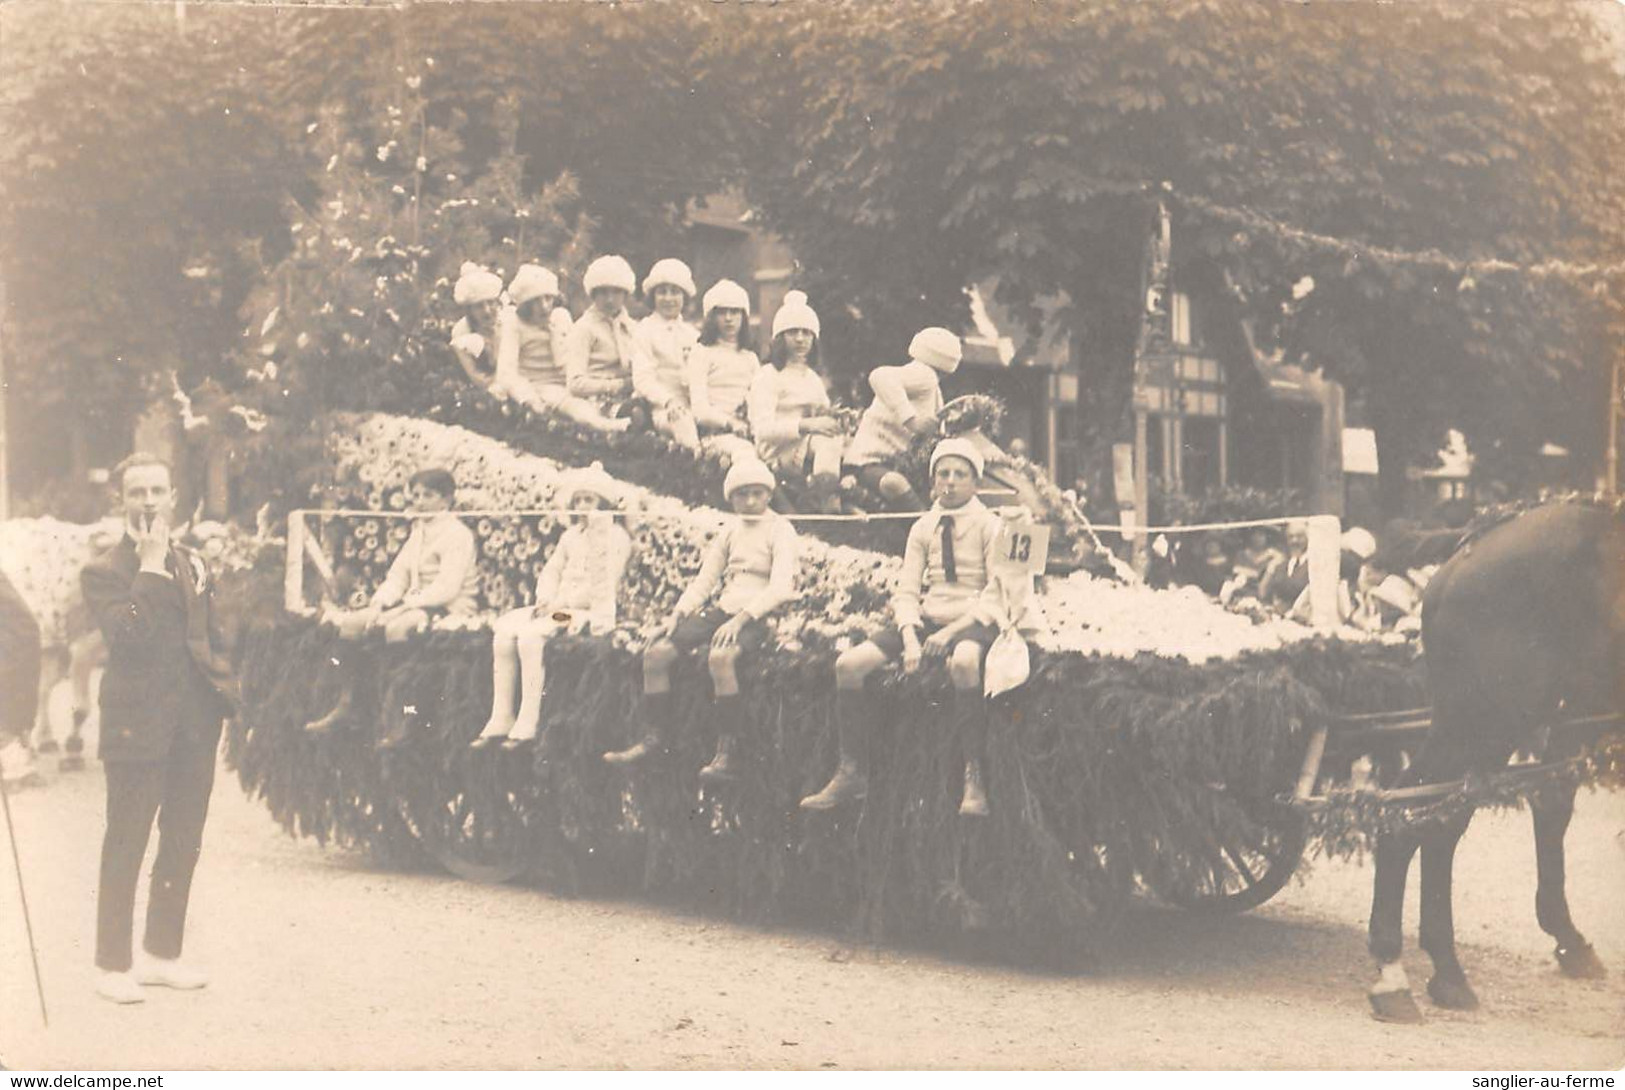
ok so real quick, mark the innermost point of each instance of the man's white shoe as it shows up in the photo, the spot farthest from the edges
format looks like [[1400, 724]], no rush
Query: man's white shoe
[[119, 988], [168, 973]]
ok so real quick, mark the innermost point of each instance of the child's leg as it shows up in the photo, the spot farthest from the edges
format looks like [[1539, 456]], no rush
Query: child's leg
[[824, 482], [504, 669], [532, 646], [658, 659], [589, 415], [401, 624], [854, 717], [678, 424], [727, 709], [970, 717], [892, 486]]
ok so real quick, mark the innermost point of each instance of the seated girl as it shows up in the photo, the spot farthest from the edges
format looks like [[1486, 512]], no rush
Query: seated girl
[[907, 401], [660, 377], [475, 337], [433, 575], [753, 562], [720, 372], [946, 606], [603, 347], [530, 354], [576, 589], [790, 413]]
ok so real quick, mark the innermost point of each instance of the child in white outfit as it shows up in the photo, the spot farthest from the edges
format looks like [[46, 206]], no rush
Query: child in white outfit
[[660, 375], [576, 589], [721, 370], [907, 401], [790, 411]]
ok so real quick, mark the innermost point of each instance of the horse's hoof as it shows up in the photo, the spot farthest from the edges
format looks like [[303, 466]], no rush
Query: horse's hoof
[[1452, 995], [1397, 1007], [1581, 962]]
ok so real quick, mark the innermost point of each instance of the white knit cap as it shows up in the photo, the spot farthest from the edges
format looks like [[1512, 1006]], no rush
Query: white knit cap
[[668, 270], [937, 347], [476, 284], [958, 448], [610, 271], [587, 479], [794, 313], [726, 294], [532, 282], [746, 471], [1358, 540]]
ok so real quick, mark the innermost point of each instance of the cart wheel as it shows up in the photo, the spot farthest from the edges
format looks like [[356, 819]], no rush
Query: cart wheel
[[1244, 875], [473, 845]]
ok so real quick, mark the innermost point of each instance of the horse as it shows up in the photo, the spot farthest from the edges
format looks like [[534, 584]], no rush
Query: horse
[[1522, 627]]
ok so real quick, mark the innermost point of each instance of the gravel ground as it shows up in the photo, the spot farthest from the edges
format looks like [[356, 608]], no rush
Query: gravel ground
[[320, 962]]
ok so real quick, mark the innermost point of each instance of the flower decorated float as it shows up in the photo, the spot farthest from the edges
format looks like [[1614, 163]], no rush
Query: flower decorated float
[[1147, 752]]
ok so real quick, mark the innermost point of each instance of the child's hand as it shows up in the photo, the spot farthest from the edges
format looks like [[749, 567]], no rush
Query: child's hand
[[728, 634], [819, 425], [923, 425], [937, 644], [911, 651]]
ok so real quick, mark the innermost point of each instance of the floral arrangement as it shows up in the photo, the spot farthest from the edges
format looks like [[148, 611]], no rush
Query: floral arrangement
[[844, 590]]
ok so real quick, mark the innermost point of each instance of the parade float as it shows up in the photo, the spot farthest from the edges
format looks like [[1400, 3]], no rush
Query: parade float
[[1150, 752]]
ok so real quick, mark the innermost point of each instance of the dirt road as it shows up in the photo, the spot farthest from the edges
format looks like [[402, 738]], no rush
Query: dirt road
[[321, 962]]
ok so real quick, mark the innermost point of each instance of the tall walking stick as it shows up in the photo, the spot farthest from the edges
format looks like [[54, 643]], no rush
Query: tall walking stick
[[28, 924]]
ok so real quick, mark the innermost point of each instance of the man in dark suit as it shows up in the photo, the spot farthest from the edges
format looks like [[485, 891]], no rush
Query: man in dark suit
[[165, 692]]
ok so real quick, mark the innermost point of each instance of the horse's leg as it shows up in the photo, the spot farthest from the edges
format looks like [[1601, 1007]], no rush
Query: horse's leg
[[1552, 809], [1448, 987], [1391, 999]]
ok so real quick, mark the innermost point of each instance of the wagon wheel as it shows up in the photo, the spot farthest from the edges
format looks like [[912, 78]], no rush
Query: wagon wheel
[[1245, 872], [479, 843]]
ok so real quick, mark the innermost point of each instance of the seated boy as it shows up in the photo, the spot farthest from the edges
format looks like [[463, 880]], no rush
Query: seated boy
[[752, 561], [944, 607], [433, 575]]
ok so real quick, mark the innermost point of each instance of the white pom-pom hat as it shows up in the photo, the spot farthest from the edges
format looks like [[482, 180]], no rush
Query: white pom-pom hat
[[938, 347], [958, 448], [476, 284], [669, 270], [727, 295], [747, 471], [591, 479], [794, 313], [610, 271], [532, 282]]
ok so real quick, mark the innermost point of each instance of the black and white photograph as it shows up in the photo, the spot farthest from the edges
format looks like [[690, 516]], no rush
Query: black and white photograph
[[812, 535]]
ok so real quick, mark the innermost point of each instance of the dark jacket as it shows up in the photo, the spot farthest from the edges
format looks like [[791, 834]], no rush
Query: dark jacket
[[166, 668]]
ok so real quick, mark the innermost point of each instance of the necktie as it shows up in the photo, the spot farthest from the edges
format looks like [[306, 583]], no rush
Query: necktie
[[950, 571]]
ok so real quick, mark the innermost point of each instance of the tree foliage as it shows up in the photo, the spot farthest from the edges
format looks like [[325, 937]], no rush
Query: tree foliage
[[921, 149]]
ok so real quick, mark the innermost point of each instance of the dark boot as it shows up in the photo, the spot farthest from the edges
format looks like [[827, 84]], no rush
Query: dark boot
[[853, 717], [970, 712], [724, 766], [656, 717]]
